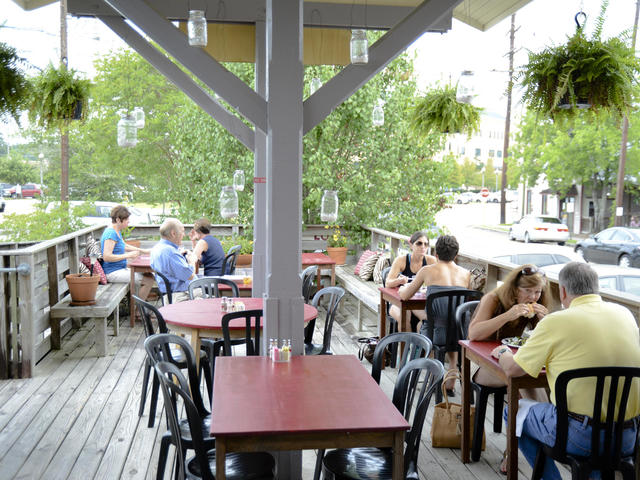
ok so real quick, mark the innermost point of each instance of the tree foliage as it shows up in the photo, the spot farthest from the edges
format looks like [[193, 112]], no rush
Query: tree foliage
[[13, 83]]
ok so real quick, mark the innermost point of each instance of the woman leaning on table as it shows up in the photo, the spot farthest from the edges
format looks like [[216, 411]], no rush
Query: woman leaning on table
[[520, 302], [405, 267]]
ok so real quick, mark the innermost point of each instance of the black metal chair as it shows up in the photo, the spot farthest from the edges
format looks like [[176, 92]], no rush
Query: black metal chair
[[210, 287], [238, 466], [147, 312], [229, 263], [308, 276], [166, 347], [377, 462], [334, 295], [613, 385], [463, 318], [445, 318], [167, 287], [251, 331]]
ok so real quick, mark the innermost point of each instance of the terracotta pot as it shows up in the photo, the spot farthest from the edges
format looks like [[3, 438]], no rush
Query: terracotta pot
[[133, 243], [244, 260], [339, 254], [82, 287]]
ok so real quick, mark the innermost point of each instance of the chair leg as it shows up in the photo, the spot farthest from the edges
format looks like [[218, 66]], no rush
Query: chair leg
[[439, 354], [155, 387], [478, 424], [206, 369], [318, 469], [145, 386], [164, 453], [498, 407], [538, 466]]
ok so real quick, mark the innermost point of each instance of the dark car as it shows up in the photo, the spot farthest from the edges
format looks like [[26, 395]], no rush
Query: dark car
[[614, 246]]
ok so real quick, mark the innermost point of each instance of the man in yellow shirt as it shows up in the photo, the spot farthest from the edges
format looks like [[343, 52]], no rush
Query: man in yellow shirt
[[587, 333]]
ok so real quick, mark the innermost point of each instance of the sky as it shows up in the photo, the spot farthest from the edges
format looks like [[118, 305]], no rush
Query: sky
[[439, 57]]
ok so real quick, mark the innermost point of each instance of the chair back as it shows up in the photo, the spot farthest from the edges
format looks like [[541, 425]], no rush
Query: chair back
[[415, 346], [426, 374], [308, 275], [251, 331], [613, 385], [464, 312], [441, 307], [167, 347], [174, 387], [210, 287], [334, 296], [167, 286], [147, 312], [229, 263], [385, 274]]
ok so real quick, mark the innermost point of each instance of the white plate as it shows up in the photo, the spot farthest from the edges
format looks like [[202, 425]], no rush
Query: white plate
[[233, 278], [512, 342]]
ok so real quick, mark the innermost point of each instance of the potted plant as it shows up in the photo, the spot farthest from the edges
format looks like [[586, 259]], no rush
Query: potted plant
[[126, 233], [337, 245], [58, 96], [581, 73], [13, 84], [245, 256], [83, 288], [438, 111]]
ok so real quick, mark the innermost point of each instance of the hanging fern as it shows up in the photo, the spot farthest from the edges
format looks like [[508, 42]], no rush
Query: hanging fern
[[438, 111], [56, 95], [13, 84]]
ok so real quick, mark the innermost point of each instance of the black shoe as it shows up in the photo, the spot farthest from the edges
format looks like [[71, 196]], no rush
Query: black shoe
[[451, 392]]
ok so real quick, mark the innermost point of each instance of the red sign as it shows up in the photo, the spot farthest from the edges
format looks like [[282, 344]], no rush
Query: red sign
[[259, 179], [484, 192]]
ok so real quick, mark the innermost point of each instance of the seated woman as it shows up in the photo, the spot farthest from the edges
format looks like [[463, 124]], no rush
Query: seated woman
[[520, 302], [206, 248], [405, 267], [115, 253]]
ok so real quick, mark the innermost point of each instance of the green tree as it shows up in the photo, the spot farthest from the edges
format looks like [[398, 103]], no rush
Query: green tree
[[15, 169]]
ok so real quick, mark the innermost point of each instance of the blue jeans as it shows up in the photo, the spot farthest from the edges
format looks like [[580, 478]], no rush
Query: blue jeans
[[540, 427]]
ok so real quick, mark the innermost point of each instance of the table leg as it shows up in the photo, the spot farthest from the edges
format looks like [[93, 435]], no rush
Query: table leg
[[398, 455], [132, 305], [466, 406], [333, 275], [405, 323], [221, 452], [318, 277], [195, 344], [512, 440], [383, 316]]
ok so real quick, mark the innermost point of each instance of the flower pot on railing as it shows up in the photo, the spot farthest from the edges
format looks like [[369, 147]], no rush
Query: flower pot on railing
[[244, 260], [339, 254], [83, 288]]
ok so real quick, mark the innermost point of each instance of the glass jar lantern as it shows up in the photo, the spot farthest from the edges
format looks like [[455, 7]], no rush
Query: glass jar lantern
[[127, 131], [138, 114], [465, 92], [329, 206], [197, 28], [228, 202], [377, 116], [359, 47], [315, 85], [238, 180]]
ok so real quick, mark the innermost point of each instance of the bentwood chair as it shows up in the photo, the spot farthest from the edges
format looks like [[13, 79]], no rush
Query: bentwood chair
[[377, 462], [210, 287], [334, 295], [612, 388], [238, 466], [229, 263], [463, 318], [165, 347]]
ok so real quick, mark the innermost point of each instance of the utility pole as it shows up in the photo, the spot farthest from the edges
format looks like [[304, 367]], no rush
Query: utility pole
[[64, 135], [623, 144], [507, 122]]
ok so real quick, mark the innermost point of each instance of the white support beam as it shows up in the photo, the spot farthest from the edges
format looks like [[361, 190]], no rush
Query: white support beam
[[235, 92], [394, 42], [166, 67]]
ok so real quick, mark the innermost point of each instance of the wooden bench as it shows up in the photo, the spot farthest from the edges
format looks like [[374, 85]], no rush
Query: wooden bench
[[108, 297], [366, 293]]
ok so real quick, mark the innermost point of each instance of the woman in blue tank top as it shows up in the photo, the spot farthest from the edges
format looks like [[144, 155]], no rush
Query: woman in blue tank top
[[206, 248]]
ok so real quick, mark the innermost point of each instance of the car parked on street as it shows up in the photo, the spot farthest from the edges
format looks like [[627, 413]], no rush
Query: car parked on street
[[29, 190], [101, 214], [535, 228], [540, 259], [614, 246], [613, 277], [6, 189], [465, 197]]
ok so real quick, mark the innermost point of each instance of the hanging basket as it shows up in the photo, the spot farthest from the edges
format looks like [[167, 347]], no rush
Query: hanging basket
[[83, 288]]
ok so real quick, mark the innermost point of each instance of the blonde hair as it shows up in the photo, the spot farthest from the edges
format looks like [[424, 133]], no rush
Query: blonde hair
[[508, 292]]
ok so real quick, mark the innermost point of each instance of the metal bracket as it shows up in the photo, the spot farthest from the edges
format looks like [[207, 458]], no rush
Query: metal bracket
[[22, 269]]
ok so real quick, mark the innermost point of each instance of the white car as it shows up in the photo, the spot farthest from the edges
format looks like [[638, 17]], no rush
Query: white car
[[465, 197], [102, 212], [540, 259], [536, 228], [612, 277]]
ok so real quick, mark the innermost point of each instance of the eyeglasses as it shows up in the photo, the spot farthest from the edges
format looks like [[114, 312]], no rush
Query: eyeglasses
[[526, 271], [420, 243]]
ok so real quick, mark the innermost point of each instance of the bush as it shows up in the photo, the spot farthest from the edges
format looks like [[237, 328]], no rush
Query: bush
[[41, 225]]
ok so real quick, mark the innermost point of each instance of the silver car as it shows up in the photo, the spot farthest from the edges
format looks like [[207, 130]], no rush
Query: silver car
[[536, 228]]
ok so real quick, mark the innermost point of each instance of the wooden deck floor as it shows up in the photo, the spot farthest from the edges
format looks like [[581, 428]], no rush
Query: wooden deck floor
[[78, 417]]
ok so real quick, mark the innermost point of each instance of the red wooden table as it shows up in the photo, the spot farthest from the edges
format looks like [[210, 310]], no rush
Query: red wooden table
[[480, 353], [202, 318], [140, 264], [320, 401], [390, 295], [320, 260]]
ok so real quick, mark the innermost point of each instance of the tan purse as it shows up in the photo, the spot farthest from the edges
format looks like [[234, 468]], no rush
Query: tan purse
[[446, 428]]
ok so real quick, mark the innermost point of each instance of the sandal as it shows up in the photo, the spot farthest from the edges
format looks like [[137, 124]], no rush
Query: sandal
[[503, 463], [451, 392]]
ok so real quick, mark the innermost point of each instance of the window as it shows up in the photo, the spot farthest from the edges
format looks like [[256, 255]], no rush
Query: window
[[608, 282], [545, 204], [492, 153], [620, 236], [631, 285], [461, 150], [499, 154], [478, 152]]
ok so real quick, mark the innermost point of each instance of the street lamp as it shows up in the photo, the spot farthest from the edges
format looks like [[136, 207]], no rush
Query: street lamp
[[41, 157]]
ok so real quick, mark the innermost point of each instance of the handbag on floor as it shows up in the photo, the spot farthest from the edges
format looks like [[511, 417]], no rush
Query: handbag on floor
[[446, 427]]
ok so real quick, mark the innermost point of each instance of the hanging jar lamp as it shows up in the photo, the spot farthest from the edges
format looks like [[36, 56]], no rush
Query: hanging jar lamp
[[228, 202], [359, 47], [238, 180], [329, 206], [377, 116], [466, 91], [127, 131], [138, 114], [315, 85], [197, 28]]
